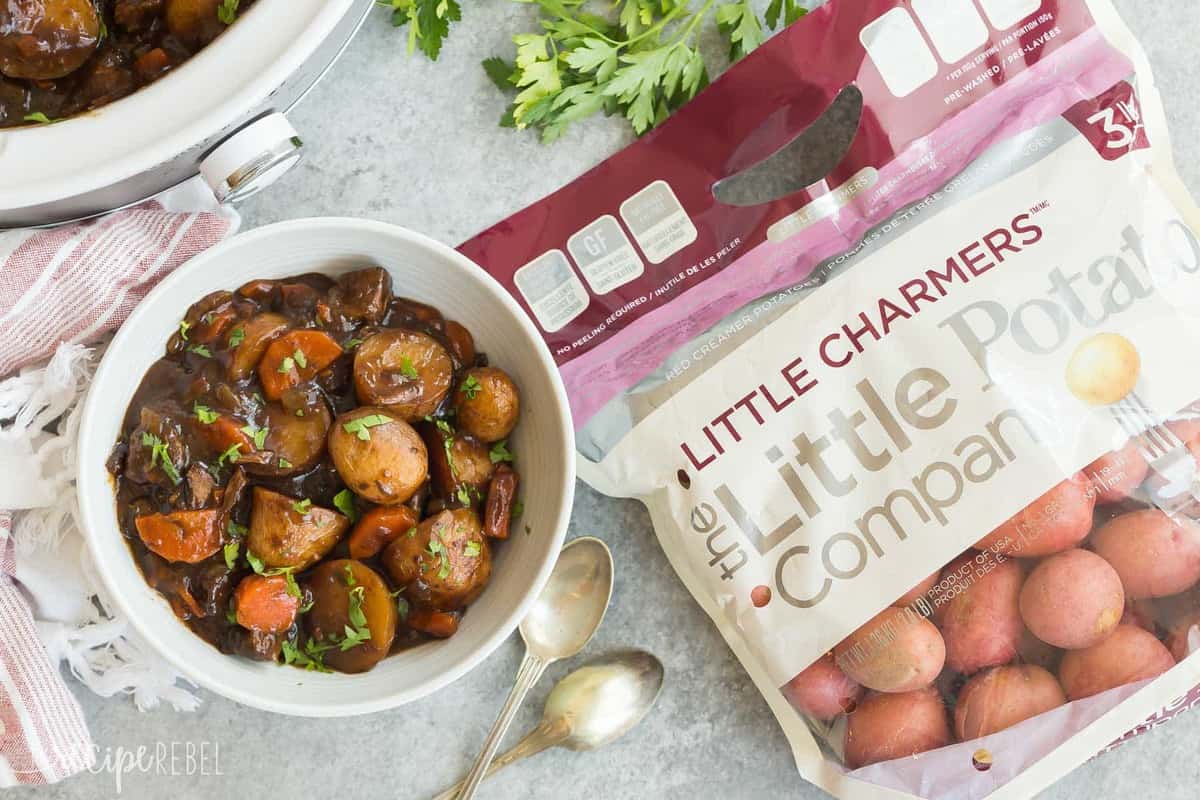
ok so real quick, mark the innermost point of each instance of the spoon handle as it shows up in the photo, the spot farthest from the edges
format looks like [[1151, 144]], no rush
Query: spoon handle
[[540, 738], [530, 671]]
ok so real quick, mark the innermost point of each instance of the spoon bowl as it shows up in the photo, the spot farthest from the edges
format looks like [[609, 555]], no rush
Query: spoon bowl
[[589, 708], [602, 700], [572, 604]]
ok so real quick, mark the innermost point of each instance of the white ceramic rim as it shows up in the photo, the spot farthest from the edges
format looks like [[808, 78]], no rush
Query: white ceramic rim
[[159, 122], [97, 509]]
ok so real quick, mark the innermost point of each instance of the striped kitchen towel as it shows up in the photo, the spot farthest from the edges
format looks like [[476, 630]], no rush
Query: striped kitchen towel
[[62, 289]]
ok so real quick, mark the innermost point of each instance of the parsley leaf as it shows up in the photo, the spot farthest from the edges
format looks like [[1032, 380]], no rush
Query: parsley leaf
[[343, 501], [259, 435], [428, 22], [350, 344], [255, 562], [739, 22], [464, 495], [644, 64], [302, 506], [200, 350], [287, 365], [362, 425], [160, 456], [473, 549], [470, 387], [438, 549], [235, 530], [518, 508], [300, 358], [184, 327], [227, 11], [232, 550], [205, 414], [407, 369], [500, 452], [237, 336], [284, 463], [41, 118], [231, 455]]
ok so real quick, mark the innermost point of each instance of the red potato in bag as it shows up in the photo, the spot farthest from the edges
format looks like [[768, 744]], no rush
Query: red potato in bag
[[1154, 555], [1072, 600], [826, 392], [1056, 521], [1129, 655], [886, 726], [982, 626], [1002, 697], [895, 651], [822, 691]]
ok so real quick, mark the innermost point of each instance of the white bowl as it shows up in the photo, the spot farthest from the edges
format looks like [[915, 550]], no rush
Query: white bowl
[[543, 443]]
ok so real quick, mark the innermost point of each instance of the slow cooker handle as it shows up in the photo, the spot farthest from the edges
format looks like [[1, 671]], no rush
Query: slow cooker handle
[[252, 159]]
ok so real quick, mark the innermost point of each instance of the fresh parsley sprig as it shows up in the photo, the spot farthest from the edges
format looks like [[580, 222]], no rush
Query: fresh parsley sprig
[[428, 22], [644, 64]]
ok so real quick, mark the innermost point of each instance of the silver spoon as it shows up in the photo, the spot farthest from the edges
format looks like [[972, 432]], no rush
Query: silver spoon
[[562, 620], [589, 708]]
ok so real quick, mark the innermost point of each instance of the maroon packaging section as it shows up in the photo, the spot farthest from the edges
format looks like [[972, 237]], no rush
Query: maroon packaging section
[[752, 111]]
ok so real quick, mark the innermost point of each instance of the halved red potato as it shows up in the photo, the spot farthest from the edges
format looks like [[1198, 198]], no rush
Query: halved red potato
[[378, 455], [446, 562], [407, 371], [286, 532], [344, 593], [488, 403]]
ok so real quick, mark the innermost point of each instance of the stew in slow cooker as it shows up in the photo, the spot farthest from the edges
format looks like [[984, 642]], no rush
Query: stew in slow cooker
[[316, 471], [59, 58]]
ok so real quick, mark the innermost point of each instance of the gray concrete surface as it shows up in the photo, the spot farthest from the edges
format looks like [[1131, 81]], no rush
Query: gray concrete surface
[[416, 144]]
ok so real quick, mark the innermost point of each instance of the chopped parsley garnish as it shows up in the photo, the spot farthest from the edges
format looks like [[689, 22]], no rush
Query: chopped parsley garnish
[[237, 336], [350, 579], [464, 495], [300, 358], [231, 455], [184, 327], [411, 532], [302, 506], [312, 657], [200, 350], [255, 562], [231, 616], [350, 344], [235, 530], [362, 425], [518, 508], [227, 11], [205, 414], [259, 435], [232, 550], [407, 369], [359, 633], [444, 427], [438, 550], [470, 387], [500, 452], [344, 502], [293, 588], [299, 412], [41, 118], [287, 365], [401, 605], [284, 463], [161, 457], [473, 549]]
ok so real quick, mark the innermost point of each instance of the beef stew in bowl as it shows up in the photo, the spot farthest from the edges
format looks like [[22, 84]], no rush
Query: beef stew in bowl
[[317, 471], [60, 58]]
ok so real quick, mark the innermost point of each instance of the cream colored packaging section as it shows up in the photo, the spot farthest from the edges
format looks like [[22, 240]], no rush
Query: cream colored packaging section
[[1108, 231]]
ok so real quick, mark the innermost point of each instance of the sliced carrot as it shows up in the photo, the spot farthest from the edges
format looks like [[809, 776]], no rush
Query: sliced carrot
[[294, 358], [378, 528], [225, 432], [187, 536], [441, 624], [264, 605]]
